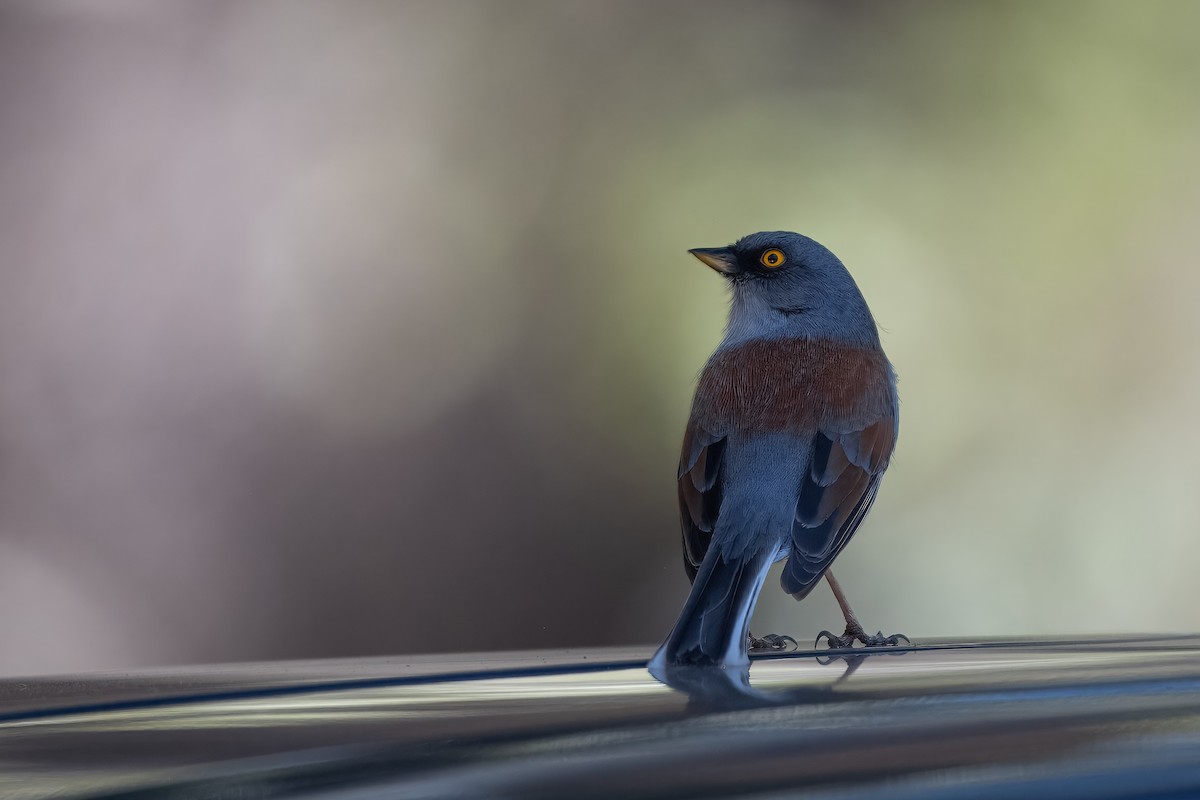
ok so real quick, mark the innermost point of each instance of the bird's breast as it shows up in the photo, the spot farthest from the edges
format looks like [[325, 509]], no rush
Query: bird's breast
[[792, 385]]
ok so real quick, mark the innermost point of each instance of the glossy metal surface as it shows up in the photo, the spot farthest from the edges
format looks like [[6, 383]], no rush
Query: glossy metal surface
[[1093, 718]]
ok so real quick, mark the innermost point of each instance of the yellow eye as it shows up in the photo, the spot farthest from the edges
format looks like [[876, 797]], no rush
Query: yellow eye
[[772, 259]]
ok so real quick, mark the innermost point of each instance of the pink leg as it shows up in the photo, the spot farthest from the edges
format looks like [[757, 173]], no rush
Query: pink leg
[[854, 629]]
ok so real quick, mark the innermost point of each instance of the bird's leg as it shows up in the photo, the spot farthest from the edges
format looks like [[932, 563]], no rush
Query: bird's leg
[[772, 642], [854, 629]]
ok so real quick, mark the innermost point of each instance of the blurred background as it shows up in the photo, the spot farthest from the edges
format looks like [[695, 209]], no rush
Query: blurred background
[[334, 329]]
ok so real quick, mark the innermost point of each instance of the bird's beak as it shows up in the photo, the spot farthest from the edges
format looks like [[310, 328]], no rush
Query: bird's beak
[[722, 259]]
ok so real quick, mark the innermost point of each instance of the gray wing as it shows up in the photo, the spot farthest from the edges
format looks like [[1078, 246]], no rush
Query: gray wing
[[699, 492], [836, 493]]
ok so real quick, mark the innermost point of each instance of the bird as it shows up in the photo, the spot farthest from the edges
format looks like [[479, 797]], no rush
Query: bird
[[792, 426]]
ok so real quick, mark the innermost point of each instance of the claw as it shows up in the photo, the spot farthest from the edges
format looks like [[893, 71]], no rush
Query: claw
[[835, 642], [853, 634], [773, 642], [879, 640]]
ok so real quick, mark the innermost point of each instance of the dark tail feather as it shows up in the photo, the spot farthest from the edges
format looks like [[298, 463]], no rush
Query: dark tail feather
[[715, 621]]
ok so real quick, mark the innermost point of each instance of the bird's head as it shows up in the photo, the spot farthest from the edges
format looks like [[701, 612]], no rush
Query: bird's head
[[788, 284]]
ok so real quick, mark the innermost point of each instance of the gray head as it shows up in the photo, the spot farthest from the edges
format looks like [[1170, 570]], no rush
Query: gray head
[[785, 284]]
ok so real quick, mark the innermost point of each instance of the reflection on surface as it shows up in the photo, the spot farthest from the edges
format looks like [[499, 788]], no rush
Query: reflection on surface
[[729, 687], [604, 722]]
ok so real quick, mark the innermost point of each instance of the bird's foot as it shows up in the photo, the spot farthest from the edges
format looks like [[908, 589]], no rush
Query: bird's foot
[[855, 633], [772, 643]]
